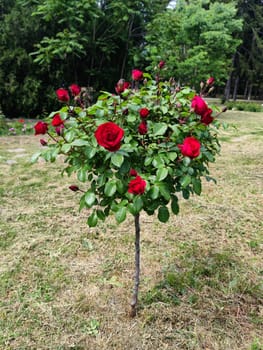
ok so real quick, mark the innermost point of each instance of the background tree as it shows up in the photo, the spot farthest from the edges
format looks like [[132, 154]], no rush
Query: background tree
[[199, 39]]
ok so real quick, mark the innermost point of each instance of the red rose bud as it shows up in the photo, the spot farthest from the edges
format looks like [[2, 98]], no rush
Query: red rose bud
[[133, 172], [74, 188], [161, 64], [142, 128], [41, 128], [137, 186], [190, 147], [75, 89], [43, 142], [144, 112], [137, 74], [224, 109], [125, 111], [199, 105], [109, 136], [210, 81], [57, 121], [62, 95], [59, 129]]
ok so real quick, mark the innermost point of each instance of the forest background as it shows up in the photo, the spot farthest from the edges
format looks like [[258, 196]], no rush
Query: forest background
[[47, 44]]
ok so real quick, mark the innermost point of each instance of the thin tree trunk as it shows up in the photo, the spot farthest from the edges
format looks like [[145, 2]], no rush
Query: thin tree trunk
[[245, 91], [130, 25], [249, 92], [227, 89], [235, 88], [134, 300]]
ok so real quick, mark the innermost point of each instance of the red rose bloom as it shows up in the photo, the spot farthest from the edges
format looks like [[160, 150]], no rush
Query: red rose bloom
[[75, 89], [190, 147], [121, 86], [109, 136], [144, 112], [210, 81], [137, 186], [199, 105], [57, 121], [41, 128], [133, 172], [142, 128], [137, 74], [206, 118], [161, 64], [62, 95]]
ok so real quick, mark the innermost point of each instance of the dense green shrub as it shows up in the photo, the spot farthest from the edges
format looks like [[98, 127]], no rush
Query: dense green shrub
[[244, 106]]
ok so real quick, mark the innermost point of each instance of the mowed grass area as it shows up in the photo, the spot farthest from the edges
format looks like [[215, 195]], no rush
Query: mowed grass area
[[65, 286]]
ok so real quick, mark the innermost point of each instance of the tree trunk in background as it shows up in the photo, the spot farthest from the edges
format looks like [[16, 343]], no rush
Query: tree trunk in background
[[249, 92], [228, 88], [245, 91], [235, 88]]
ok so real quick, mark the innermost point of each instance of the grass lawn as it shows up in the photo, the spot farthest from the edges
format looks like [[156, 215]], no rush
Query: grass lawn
[[65, 286]]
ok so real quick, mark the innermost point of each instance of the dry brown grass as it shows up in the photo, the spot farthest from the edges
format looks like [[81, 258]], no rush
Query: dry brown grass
[[66, 286]]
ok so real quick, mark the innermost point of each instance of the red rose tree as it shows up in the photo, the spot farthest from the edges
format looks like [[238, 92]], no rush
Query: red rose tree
[[135, 150]]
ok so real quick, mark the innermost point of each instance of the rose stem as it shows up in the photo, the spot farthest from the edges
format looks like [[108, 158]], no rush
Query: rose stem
[[137, 266]]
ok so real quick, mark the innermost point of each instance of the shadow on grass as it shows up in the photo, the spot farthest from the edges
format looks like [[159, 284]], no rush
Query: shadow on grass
[[196, 271]]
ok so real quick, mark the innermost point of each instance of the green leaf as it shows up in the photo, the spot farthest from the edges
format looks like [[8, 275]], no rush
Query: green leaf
[[100, 214], [159, 128], [69, 136], [172, 156], [164, 109], [197, 186], [161, 174], [117, 159], [185, 181], [163, 214], [99, 113], [158, 161], [92, 220], [131, 209], [120, 215], [175, 206], [186, 193], [148, 161], [65, 148], [82, 175], [35, 157], [110, 188], [120, 186], [79, 143], [154, 192], [165, 191], [186, 161], [90, 152], [138, 204], [90, 198], [131, 118]]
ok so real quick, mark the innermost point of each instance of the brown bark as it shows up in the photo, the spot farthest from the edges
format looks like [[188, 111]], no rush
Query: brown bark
[[134, 301]]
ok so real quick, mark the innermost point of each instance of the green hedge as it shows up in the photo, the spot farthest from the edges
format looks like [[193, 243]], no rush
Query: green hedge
[[244, 106]]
